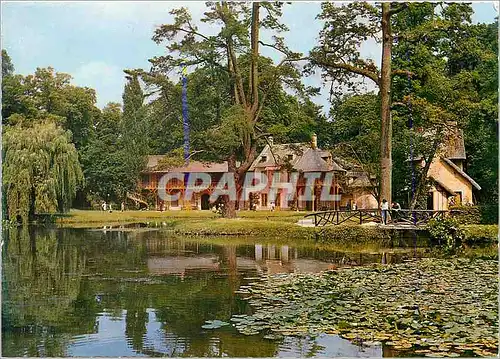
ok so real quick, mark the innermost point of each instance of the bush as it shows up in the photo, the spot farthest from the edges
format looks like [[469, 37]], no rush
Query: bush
[[475, 234], [446, 231], [489, 213], [467, 214]]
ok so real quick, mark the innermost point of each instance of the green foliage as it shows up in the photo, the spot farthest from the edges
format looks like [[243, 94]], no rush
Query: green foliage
[[478, 234], [446, 231], [41, 171], [489, 213], [104, 159], [7, 65], [454, 68], [134, 129], [467, 215]]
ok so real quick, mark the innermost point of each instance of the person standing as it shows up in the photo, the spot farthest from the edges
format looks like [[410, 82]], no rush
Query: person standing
[[123, 206], [395, 211], [385, 209], [104, 206]]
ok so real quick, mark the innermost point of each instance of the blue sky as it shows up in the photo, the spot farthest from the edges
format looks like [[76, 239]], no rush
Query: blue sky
[[95, 41]]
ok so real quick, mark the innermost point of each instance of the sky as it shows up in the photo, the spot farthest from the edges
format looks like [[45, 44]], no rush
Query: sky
[[94, 41]]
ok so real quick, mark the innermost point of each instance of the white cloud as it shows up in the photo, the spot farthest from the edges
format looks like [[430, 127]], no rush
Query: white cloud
[[108, 80]]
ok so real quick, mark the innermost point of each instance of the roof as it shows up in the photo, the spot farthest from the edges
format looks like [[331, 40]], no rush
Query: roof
[[303, 158], [311, 161], [462, 173], [277, 155], [454, 145], [194, 166], [361, 182]]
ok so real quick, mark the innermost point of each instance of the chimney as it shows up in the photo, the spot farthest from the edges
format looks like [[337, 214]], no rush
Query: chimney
[[270, 140], [314, 141]]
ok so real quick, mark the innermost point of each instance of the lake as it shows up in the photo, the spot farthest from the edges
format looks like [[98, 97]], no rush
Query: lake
[[83, 292]]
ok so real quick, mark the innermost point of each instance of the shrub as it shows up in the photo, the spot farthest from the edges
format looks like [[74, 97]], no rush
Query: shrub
[[475, 234], [446, 231], [467, 214], [489, 213]]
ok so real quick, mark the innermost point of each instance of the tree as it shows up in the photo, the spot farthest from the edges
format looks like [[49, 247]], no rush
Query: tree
[[41, 171], [435, 43], [355, 131], [134, 128], [237, 41], [7, 65], [338, 56], [104, 160]]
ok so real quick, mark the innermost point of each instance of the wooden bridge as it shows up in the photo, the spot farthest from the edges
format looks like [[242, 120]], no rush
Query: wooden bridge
[[138, 199], [403, 217]]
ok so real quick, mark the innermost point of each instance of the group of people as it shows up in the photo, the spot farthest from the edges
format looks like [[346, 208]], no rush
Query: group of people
[[395, 208], [105, 207]]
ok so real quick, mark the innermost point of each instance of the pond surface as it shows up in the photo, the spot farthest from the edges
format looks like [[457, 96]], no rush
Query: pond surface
[[75, 292]]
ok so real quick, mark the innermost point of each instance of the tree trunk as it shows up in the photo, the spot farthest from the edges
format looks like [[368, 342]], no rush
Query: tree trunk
[[385, 94], [254, 74], [229, 209], [422, 180]]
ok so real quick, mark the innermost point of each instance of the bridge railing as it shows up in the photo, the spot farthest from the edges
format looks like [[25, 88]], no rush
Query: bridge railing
[[403, 216]]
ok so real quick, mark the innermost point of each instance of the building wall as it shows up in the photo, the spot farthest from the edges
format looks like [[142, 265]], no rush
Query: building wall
[[364, 199], [451, 179]]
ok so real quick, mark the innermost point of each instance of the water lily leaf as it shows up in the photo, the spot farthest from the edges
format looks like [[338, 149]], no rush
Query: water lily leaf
[[214, 324]]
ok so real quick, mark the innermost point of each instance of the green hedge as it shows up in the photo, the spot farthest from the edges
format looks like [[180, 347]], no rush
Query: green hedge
[[481, 233]]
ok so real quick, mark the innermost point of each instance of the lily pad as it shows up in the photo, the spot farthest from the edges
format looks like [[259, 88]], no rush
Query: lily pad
[[214, 324]]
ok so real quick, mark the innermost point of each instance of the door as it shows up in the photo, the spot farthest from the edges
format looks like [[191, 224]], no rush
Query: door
[[205, 201], [430, 202]]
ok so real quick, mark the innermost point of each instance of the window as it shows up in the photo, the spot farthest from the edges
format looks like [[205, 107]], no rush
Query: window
[[263, 159], [263, 199], [146, 181], [290, 157]]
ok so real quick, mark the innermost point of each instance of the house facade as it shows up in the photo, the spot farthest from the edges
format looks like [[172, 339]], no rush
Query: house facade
[[314, 172], [151, 176], [343, 182], [281, 163], [450, 184]]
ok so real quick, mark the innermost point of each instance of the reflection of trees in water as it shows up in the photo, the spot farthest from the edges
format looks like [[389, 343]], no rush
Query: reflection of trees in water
[[41, 282], [56, 282]]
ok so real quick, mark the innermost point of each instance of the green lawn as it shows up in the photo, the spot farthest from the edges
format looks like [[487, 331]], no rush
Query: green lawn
[[81, 218]]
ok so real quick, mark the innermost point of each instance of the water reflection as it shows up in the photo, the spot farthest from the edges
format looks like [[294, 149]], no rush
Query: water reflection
[[90, 293]]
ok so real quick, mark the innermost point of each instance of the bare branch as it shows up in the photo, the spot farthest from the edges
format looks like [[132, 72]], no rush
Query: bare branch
[[274, 47]]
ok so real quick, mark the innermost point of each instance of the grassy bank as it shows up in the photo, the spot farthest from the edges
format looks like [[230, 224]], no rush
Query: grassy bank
[[276, 225], [82, 219]]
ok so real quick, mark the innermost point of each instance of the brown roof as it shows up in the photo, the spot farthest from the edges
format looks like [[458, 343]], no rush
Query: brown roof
[[304, 158], [194, 166], [454, 145], [362, 181], [311, 161], [462, 173], [277, 155]]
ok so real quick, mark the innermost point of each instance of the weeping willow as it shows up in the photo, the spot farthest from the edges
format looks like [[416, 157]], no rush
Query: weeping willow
[[41, 171]]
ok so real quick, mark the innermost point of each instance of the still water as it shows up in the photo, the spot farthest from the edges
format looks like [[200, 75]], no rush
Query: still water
[[75, 292]]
